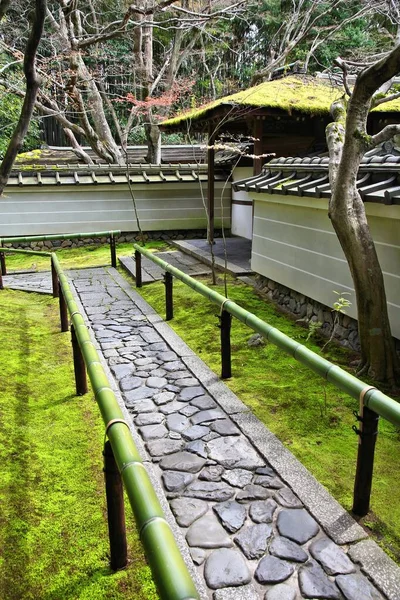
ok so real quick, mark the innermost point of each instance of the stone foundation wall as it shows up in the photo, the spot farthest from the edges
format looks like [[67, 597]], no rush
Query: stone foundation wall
[[308, 310], [124, 237]]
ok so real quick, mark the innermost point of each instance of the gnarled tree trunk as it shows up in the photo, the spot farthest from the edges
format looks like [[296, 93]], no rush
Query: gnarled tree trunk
[[348, 141]]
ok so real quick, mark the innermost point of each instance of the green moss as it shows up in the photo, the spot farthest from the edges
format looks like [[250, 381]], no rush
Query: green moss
[[53, 531], [363, 137], [71, 258], [312, 418], [306, 95]]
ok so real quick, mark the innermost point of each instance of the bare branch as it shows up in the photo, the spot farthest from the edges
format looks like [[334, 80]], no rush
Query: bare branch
[[385, 135]]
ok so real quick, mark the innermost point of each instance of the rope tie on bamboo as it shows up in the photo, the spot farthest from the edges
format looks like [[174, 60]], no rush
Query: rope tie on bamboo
[[111, 423], [223, 305], [360, 416]]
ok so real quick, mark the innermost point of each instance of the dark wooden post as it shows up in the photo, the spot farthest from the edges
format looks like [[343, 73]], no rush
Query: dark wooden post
[[226, 369], [258, 145], [365, 461], [138, 271], [54, 281], [63, 310], [79, 366], [1, 281], [169, 300], [210, 183], [3, 264], [113, 252], [115, 511]]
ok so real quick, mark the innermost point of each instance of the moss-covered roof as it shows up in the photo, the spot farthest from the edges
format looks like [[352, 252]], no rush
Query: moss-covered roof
[[303, 94]]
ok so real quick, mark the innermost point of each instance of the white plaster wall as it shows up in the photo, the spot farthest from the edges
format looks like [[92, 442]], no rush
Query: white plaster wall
[[294, 244], [73, 209], [242, 214]]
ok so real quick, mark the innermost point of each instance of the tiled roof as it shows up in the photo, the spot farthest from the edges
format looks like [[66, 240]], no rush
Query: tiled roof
[[111, 175], [56, 156], [378, 178]]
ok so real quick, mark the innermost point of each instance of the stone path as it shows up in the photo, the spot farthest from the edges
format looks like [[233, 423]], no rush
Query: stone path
[[249, 534], [238, 252], [152, 272], [29, 282]]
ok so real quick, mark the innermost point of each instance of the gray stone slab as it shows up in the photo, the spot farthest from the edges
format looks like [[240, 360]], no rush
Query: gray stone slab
[[209, 490], [207, 532], [148, 419], [176, 480], [297, 525], [284, 548], [163, 397], [197, 447], [233, 452], [226, 567], [238, 477], [156, 382], [253, 540], [177, 422], [338, 524], [171, 407], [285, 496], [197, 432], [282, 591], [130, 383], [164, 447], [206, 416], [225, 427], [190, 393], [314, 583], [212, 473], [187, 510], [378, 566], [183, 461], [198, 555], [332, 558], [273, 570], [253, 492], [262, 511], [231, 514], [203, 403], [153, 432], [354, 587]]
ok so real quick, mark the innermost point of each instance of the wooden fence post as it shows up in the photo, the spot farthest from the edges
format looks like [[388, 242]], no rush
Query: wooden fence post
[[79, 366], [3, 267], [226, 320], [138, 271], [169, 299], [63, 310], [115, 511], [365, 461], [54, 281], [113, 251]]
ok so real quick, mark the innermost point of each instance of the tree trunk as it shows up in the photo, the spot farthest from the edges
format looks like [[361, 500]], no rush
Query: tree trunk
[[32, 88], [153, 136], [378, 357], [348, 141]]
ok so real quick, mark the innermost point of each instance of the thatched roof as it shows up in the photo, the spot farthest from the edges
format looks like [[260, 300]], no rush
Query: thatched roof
[[303, 94]]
